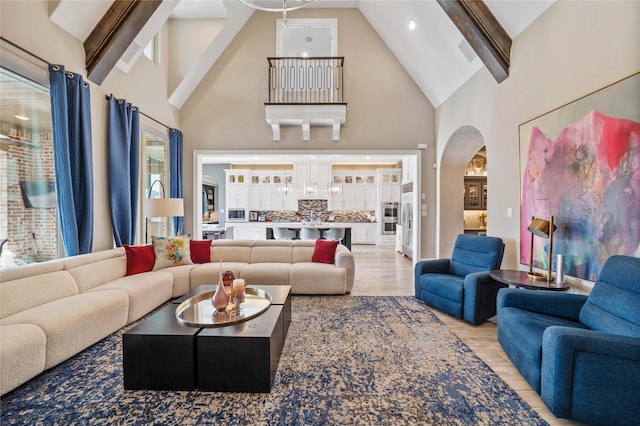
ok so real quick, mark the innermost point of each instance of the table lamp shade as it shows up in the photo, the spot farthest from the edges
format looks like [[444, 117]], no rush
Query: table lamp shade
[[163, 207], [542, 228]]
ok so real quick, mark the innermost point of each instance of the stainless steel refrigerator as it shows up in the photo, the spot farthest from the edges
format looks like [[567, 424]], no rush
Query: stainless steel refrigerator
[[407, 224]]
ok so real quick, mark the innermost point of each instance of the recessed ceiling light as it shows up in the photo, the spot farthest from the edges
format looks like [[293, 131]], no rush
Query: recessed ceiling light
[[21, 117], [412, 25]]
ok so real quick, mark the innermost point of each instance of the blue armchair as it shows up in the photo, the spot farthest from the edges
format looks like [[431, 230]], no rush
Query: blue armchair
[[580, 353], [461, 286]]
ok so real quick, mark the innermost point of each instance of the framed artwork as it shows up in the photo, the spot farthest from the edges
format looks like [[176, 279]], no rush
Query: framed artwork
[[581, 164]]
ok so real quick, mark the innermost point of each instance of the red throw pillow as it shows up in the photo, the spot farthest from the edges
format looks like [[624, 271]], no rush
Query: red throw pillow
[[200, 251], [324, 251], [139, 258]]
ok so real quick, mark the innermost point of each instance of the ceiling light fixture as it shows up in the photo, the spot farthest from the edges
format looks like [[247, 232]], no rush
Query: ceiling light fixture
[[22, 117], [412, 25], [284, 9]]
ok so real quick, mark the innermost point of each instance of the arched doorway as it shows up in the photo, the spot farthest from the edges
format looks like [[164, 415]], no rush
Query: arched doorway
[[460, 148]]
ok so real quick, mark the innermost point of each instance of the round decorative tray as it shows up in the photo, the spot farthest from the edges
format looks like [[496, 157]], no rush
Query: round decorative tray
[[198, 311]]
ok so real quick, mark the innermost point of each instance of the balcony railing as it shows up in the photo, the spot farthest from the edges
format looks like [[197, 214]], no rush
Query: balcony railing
[[311, 81]]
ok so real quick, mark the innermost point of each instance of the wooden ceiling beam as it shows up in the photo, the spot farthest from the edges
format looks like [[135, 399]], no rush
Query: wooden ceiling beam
[[114, 33], [483, 32]]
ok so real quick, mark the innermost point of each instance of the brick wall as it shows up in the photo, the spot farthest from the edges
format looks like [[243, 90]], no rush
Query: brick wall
[[31, 232]]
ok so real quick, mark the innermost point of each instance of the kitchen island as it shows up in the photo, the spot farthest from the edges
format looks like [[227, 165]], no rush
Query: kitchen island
[[297, 227]]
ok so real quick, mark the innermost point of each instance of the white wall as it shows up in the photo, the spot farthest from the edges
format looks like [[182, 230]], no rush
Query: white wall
[[573, 49], [386, 110]]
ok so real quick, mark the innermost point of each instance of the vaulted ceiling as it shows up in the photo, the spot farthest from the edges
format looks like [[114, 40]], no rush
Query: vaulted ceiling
[[440, 52]]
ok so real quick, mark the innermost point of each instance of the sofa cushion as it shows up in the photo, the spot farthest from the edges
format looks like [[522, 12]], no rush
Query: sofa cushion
[[613, 306], [145, 291], [171, 251], [324, 251], [200, 251], [266, 273], [90, 258], [17, 272], [303, 250], [273, 253], [317, 278], [90, 275], [208, 273], [73, 323], [238, 251], [451, 287], [139, 258], [522, 339], [31, 291], [181, 276], [23, 352]]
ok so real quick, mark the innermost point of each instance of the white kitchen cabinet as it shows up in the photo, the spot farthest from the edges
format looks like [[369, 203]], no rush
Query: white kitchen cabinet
[[398, 238], [364, 233], [265, 191], [408, 167], [389, 185], [365, 197], [359, 190], [315, 174], [248, 231], [236, 189], [260, 197]]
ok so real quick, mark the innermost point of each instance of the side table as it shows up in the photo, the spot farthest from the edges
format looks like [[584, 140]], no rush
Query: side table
[[520, 279]]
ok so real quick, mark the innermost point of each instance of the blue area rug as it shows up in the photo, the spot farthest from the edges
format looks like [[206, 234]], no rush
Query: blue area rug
[[347, 361]]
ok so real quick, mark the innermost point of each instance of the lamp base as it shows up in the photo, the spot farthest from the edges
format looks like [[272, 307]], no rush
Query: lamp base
[[537, 276]]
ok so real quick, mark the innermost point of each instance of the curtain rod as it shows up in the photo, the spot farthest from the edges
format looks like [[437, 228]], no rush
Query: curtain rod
[[107, 97], [26, 51]]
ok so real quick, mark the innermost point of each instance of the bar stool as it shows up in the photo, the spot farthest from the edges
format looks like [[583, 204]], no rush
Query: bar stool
[[309, 233], [333, 234], [284, 234]]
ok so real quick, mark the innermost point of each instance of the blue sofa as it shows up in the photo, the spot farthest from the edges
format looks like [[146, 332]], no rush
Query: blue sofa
[[461, 286], [580, 353]]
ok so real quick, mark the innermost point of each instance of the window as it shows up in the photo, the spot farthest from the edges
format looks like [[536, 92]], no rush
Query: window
[[152, 49], [155, 155], [28, 209]]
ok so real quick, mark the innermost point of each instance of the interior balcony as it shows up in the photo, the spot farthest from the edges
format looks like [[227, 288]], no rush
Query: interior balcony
[[306, 91]]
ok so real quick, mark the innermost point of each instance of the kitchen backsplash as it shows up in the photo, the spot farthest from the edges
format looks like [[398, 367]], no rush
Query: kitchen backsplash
[[317, 208]]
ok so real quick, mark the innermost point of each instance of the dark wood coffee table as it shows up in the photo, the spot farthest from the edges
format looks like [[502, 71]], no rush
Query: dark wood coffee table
[[520, 279], [160, 353]]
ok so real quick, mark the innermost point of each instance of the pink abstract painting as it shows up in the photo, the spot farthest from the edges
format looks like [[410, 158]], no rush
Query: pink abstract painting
[[588, 178]]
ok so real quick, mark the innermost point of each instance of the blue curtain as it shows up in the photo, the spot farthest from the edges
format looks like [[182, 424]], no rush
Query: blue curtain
[[123, 140], [175, 174], [71, 119]]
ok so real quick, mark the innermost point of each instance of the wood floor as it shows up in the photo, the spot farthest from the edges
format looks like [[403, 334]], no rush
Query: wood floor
[[380, 271]]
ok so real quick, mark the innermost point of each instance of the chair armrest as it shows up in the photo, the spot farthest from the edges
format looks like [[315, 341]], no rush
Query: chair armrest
[[590, 375], [480, 292], [562, 305], [344, 259], [432, 266]]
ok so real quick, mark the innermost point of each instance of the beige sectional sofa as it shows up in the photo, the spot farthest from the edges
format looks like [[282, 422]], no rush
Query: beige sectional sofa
[[51, 311]]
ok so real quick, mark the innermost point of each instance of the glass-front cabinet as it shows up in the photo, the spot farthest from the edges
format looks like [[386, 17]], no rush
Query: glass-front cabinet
[[475, 193], [237, 193]]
